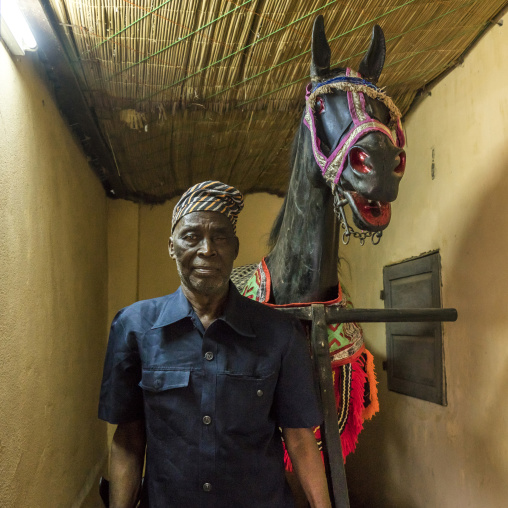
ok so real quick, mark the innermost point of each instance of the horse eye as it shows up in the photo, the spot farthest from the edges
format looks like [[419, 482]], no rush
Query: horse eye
[[320, 106]]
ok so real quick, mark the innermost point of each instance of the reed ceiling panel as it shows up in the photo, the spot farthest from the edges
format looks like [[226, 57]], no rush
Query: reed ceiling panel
[[189, 90]]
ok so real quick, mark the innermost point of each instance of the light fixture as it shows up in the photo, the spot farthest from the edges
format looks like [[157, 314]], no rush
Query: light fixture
[[14, 29]]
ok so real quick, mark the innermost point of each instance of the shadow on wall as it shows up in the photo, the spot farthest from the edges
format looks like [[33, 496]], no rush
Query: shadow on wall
[[465, 458]]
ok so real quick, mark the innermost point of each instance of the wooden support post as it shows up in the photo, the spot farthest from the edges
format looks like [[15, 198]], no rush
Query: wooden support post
[[332, 449]]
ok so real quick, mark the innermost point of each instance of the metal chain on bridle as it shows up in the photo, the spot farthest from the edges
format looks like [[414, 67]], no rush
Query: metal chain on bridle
[[338, 207]]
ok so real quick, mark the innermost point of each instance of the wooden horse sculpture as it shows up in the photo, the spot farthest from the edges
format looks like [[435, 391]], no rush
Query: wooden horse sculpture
[[348, 150]]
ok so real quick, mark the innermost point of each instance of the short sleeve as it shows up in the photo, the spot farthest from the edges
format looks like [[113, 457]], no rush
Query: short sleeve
[[121, 399], [297, 404]]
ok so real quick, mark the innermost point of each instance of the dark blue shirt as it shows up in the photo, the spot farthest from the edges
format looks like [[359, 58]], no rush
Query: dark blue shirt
[[213, 400]]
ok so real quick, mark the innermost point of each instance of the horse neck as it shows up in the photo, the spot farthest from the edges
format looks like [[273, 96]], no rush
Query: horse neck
[[303, 262]]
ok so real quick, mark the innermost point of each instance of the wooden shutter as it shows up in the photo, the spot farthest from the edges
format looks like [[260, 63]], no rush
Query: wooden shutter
[[415, 350]]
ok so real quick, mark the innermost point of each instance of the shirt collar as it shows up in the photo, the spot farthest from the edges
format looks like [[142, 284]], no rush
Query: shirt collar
[[177, 307]]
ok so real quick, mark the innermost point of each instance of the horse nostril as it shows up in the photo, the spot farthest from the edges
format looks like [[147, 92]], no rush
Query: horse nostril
[[401, 166], [357, 158]]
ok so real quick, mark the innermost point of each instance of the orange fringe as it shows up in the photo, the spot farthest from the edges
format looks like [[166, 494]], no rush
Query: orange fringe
[[373, 407]]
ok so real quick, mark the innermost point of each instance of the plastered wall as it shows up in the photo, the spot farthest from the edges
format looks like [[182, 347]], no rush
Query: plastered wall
[[53, 301], [416, 454]]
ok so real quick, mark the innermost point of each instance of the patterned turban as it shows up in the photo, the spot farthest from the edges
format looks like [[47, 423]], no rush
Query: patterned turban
[[210, 196]]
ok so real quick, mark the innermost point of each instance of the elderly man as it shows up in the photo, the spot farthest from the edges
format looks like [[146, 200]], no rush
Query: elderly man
[[204, 379]]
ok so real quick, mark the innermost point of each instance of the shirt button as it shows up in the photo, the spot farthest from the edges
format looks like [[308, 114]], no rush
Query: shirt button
[[259, 393], [158, 383], [207, 420], [209, 356], [207, 487]]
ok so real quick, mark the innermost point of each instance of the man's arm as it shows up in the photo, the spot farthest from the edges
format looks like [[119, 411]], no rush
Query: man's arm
[[308, 465], [126, 464]]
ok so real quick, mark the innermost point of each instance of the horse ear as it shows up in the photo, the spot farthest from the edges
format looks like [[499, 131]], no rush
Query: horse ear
[[321, 54], [373, 61]]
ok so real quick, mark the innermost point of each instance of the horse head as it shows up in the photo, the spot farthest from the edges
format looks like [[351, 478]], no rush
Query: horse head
[[357, 139]]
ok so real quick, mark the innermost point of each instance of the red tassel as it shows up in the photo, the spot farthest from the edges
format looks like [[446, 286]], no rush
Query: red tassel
[[287, 461]]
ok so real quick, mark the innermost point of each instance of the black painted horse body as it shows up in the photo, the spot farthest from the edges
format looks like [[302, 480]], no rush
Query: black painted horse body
[[301, 266]]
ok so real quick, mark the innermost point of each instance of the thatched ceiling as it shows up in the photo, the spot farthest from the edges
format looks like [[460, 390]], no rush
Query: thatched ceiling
[[186, 90]]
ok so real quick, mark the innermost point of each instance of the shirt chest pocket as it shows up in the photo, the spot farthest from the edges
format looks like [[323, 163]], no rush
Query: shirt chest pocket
[[161, 380], [245, 403]]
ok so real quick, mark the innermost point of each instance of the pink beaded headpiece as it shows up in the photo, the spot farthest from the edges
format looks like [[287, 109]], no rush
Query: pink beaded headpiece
[[356, 88]]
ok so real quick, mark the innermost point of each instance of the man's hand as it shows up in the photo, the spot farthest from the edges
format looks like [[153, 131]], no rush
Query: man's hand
[[308, 465], [126, 464]]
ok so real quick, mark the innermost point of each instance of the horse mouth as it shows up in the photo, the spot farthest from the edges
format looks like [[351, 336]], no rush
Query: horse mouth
[[368, 214]]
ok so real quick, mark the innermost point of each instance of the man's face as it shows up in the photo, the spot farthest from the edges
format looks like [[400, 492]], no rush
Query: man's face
[[204, 247]]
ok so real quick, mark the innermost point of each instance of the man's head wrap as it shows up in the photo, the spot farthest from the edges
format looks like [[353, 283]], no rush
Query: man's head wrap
[[210, 196]]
